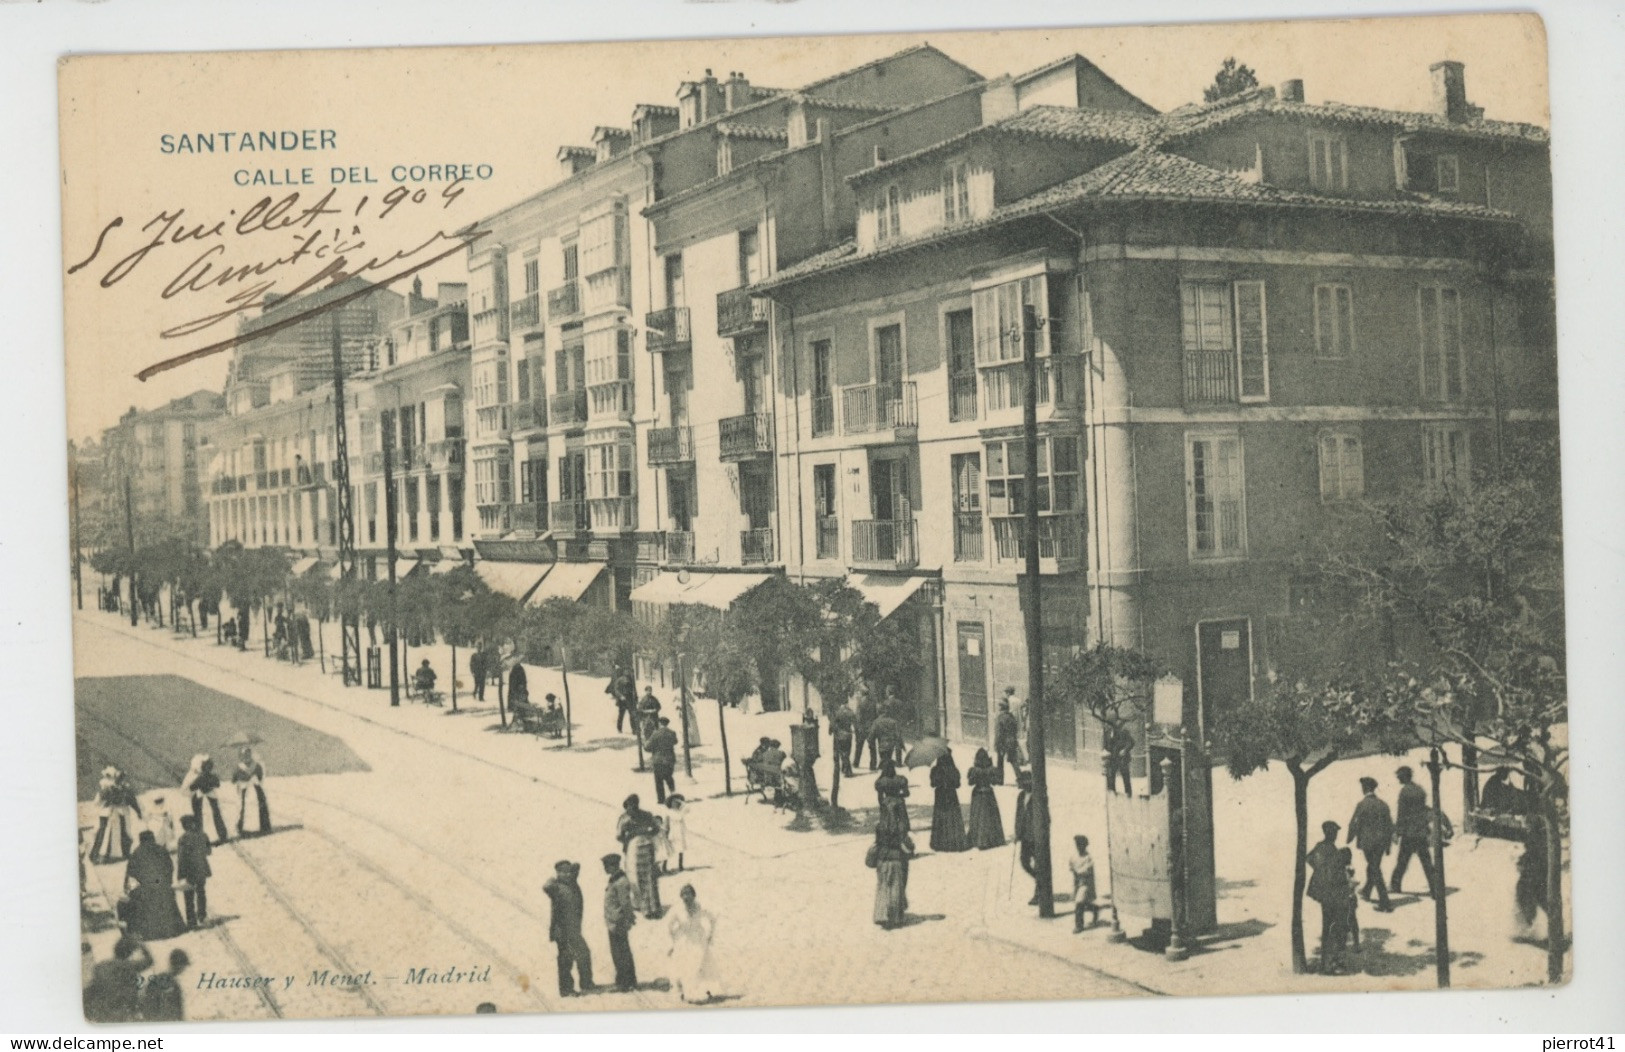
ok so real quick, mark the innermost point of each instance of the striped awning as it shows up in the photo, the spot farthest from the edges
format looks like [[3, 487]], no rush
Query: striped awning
[[887, 593], [566, 581], [303, 566], [716, 590], [516, 579]]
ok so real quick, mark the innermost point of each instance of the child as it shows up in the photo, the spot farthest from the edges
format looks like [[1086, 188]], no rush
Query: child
[[1344, 934], [675, 839], [192, 870], [1083, 885]]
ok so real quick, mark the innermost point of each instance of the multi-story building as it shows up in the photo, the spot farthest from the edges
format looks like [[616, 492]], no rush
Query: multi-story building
[[159, 451], [1246, 316]]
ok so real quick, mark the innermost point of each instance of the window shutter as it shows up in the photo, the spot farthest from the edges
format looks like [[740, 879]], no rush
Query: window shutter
[[985, 319], [1330, 487], [1353, 468], [1428, 320], [1252, 342]]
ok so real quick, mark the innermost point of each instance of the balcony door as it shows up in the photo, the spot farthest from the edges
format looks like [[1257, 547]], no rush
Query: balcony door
[[889, 359], [972, 681]]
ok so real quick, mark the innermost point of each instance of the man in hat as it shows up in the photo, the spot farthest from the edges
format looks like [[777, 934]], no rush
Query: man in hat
[[1372, 831], [842, 724], [1026, 831], [479, 667], [1007, 734], [619, 916], [866, 712], [648, 713], [564, 927], [1411, 826], [624, 692], [1328, 880], [662, 750]]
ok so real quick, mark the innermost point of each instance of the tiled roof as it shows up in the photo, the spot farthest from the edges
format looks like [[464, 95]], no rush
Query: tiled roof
[[752, 131], [1191, 120]]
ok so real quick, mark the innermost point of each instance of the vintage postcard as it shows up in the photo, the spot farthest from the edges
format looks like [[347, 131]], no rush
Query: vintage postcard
[[816, 521]]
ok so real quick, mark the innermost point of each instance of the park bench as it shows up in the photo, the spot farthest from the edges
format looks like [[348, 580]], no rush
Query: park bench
[[541, 722], [429, 696], [768, 782]]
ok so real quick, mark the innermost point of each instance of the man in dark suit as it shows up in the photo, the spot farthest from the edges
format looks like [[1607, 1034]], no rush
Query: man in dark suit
[[867, 712], [1007, 736], [1411, 825], [842, 724], [564, 929], [662, 749], [619, 916], [1372, 831]]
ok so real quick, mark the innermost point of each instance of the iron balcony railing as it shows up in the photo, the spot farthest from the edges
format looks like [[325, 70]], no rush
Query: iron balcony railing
[[671, 445], [829, 537], [445, 454], [746, 436], [962, 397], [739, 313], [568, 407], [1060, 537], [969, 537], [564, 301], [525, 312], [879, 407], [885, 542], [756, 546], [1210, 377], [530, 516], [667, 330], [679, 546], [568, 517], [528, 415]]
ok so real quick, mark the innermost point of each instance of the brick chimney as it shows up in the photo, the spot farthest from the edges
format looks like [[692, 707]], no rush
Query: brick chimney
[[736, 93], [1450, 91], [1291, 90]]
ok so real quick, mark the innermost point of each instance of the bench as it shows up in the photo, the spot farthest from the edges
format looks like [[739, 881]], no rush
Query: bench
[[765, 778], [427, 695], [530, 719]]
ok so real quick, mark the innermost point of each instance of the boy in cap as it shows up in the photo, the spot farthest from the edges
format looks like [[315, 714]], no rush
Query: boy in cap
[[1328, 883], [564, 927]]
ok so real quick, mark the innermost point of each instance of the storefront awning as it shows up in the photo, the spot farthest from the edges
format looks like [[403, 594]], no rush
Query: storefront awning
[[445, 565], [716, 590], [887, 593], [516, 580], [566, 581], [303, 566], [404, 567]]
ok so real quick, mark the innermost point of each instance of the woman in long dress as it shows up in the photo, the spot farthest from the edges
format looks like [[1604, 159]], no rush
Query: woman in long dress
[[149, 880], [891, 791], [250, 775], [693, 972], [892, 851], [116, 800], [636, 830], [676, 821], [201, 783], [986, 827], [947, 820]]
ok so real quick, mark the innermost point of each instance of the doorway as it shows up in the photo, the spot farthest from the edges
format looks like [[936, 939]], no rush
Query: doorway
[[972, 650], [1224, 668]]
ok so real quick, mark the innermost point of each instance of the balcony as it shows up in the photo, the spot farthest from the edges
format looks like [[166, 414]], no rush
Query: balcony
[[823, 415], [613, 514], [969, 537], [739, 313], [878, 408], [679, 546], [744, 437], [527, 416], [1060, 386], [756, 547], [1060, 539], [567, 408], [491, 422], [666, 330], [530, 517], [491, 326], [1210, 378], [883, 543], [525, 312], [962, 397], [829, 537], [671, 445], [444, 455], [408, 457], [567, 518], [564, 301]]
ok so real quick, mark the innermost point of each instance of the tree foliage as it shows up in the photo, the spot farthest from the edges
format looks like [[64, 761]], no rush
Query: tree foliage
[[1110, 683], [1233, 78]]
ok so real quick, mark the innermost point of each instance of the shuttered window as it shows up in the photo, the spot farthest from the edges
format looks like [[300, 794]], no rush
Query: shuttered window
[[1342, 467], [1444, 370], [1334, 321]]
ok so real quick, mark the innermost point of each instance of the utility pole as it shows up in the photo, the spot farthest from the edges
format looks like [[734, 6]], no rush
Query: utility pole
[[387, 427], [344, 518], [78, 552], [1441, 919], [682, 711], [1032, 615], [129, 538]]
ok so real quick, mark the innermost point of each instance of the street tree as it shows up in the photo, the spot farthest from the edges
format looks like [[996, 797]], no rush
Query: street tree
[[1111, 683], [1307, 725], [848, 621], [776, 623], [471, 616], [1233, 78]]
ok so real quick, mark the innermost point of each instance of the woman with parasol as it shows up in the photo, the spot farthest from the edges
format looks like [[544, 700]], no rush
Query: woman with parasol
[[201, 783]]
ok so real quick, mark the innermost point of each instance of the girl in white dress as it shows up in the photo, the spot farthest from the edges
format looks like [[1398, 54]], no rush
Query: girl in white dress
[[693, 973], [675, 840]]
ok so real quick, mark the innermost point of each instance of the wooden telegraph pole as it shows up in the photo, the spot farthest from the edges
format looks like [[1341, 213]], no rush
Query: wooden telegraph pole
[[129, 538], [1032, 615], [389, 554]]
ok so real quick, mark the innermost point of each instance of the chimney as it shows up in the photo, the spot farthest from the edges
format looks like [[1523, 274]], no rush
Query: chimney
[[710, 97], [737, 92], [1450, 91], [1291, 90]]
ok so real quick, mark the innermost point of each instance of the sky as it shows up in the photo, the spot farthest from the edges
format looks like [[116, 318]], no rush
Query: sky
[[512, 106]]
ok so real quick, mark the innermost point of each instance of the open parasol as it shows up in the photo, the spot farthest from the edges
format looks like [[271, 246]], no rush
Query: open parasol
[[242, 738], [926, 752]]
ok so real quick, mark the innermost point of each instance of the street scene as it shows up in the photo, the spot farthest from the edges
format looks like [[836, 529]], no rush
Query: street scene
[[914, 533]]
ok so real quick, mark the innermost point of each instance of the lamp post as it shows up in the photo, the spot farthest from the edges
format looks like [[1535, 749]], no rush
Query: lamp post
[[388, 436], [1038, 806], [1441, 920]]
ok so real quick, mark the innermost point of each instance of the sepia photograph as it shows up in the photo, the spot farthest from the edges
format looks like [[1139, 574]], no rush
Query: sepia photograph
[[718, 523]]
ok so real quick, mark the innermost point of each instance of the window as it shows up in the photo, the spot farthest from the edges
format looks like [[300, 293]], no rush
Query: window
[[608, 356], [675, 294], [601, 243], [955, 194], [431, 489], [1449, 173], [522, 379], [411, 509], [967, 489], [1446, 457], [609, 471], [1057, 476], [750, 256], [999, 311], [828, 525], [888, 214], [533, 274], [960, 332], [1334, 321], [493, 481], [823, 394], [1443, 367], [1342, 467], [1224, 316], [572, 262], [1328, 162], [1215, 503]]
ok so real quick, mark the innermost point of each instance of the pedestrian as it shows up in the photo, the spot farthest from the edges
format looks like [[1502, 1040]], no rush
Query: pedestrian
[[985, 827], [301, 631], [947, 820], [676, 822], [842, 723], [662, 749], [201, 783], [242, 629], [891, 792], [888, 738], [1529, 895], [116, 800], [161, 1000], [1372, 831], [888, 857], [250, 776], [1500, 796], [899, 712], [1007, 736], [636, 829], [648, 713], [192, 870], [518, 686], [161, 822], [865, 727], [1082, 866], [1025, 831], [1328, 879], [1119, 746], [114, 992], [149, 883], [1411, 826], [624, 692], [693, 972], [423, 681], [619, 916], [477, 671], [564, 927]]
